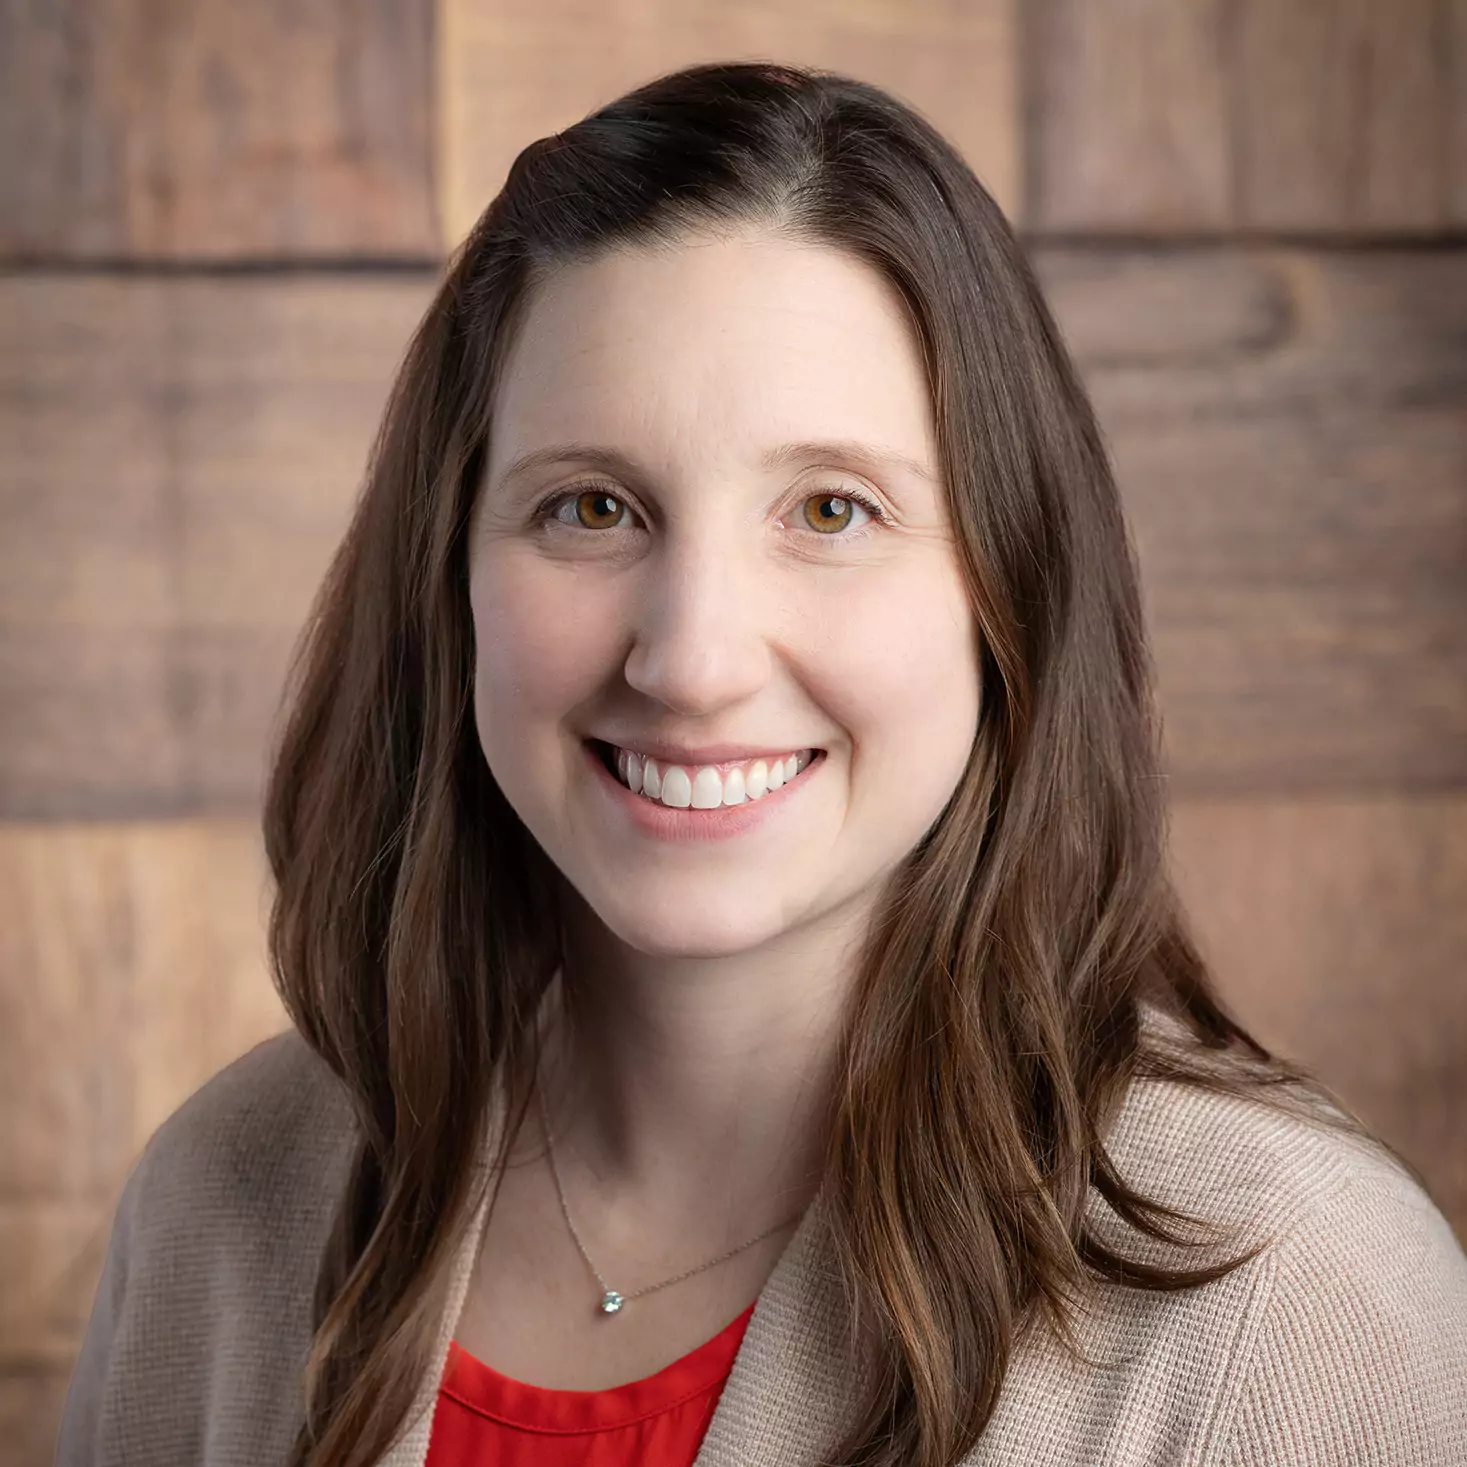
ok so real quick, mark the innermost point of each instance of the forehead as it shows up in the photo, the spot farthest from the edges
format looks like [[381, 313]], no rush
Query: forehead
[[716, 348]]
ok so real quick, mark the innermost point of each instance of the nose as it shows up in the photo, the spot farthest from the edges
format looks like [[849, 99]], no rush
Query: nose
[[702, 629]]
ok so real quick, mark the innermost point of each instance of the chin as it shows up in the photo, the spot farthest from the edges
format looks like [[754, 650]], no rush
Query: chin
[[655, 929]]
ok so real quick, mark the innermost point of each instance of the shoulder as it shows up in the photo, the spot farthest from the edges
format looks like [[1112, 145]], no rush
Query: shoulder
[[205, 1299], [1359, 1352], [1343, 1342], [281, 1080], [1236, 1162], [274, 1123], [1345, 1339]]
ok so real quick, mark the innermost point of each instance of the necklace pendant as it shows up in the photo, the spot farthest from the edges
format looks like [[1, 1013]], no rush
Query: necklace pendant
[[611, 1301]]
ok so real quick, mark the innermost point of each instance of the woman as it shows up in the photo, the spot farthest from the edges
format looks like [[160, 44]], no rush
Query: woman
[[742, 1012]]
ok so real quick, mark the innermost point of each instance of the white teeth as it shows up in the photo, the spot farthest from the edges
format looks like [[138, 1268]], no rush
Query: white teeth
[[707, 789], [677, 788], [670, 785], [734, 790]]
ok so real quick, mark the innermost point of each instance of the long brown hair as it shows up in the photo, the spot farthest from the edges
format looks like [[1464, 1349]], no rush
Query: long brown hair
[[996, 1019]]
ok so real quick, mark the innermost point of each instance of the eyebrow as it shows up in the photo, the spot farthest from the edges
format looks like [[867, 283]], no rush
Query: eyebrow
[[863, 455]]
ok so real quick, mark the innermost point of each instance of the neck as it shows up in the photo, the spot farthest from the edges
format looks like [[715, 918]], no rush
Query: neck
[[690, 1094]]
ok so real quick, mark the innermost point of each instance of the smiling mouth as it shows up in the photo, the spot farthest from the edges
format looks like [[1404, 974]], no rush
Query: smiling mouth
[[761, 785]]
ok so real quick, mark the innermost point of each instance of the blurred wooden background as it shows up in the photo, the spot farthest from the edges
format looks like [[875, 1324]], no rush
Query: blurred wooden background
[[219, 224]]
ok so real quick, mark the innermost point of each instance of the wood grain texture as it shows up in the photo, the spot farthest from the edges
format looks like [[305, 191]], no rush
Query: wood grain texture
[[1337, 928], [51, 1257], [1233, 116], [31, 1402], [135, 967], [213, 131], [513, 72], [1290, 436], [178, 460]]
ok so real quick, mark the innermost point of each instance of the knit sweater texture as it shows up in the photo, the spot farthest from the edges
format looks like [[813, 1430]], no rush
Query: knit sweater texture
[[1344, 1344]]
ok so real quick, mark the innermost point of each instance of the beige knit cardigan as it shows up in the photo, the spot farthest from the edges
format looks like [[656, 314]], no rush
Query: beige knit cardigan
[[1343, 1345]]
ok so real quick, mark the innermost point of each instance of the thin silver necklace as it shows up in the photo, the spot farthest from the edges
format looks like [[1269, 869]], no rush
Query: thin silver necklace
[[611, 1299]]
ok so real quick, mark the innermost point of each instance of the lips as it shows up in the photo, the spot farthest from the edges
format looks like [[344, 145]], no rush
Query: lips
[[638, 814]]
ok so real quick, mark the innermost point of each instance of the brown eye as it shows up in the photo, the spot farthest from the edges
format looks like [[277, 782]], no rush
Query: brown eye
[[593, 504], [833, 512]]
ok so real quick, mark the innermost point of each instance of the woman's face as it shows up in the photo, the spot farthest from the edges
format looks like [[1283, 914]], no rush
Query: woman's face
[[696, 590]]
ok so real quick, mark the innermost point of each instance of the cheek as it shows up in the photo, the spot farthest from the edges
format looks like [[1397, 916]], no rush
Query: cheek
[[904, 683], [537, 641], [904, 667]]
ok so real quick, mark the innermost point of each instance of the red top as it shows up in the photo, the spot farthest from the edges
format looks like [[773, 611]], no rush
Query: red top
[[483, 1417]]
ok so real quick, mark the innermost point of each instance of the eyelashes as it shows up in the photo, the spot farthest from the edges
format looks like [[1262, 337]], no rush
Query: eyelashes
[[547, 508]]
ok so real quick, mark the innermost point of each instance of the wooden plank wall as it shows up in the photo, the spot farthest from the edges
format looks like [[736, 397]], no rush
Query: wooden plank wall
[[218, 225]]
